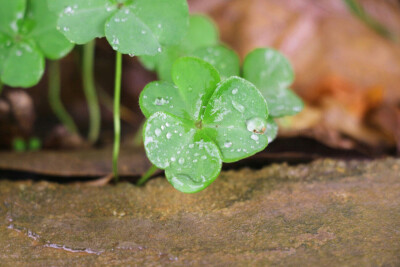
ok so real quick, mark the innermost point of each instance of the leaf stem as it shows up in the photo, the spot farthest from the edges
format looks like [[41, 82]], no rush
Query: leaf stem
[[55, 97], [90, 92], [117, 121], [1, 87], [147, 175]]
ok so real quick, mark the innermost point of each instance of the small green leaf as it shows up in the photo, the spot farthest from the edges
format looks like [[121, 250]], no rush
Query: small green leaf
[[196, 167], [202, 32], [272, 74], [191, 162], [165, 135], [196, 81], [236, 119], [167, 20], [51, 42], [162, 96], [268, 69], [82, 21], [129, 35], [24, 65], [11, 15], [283, 102], [225, 60]]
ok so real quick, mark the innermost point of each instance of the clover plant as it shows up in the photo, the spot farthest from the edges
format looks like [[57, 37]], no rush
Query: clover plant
[[134, 27], [198, 121], [201, 40], [28, 35]]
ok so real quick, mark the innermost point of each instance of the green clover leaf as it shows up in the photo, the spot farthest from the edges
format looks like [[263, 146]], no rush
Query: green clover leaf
[[198, 122], [201, 40], [136, 27], [272, 73], [28, 34]]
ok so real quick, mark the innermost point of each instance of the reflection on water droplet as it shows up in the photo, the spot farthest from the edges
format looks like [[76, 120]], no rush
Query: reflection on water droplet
[[173, 158], [181, 160], [187, 180], [228, 144], [238, 106], [234, 91], [256, 125], [254, 137], [160, 101], [168, 135], [191, 145], [157, 132]]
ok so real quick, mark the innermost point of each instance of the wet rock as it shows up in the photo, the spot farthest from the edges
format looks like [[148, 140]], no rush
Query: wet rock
[[328, 213]]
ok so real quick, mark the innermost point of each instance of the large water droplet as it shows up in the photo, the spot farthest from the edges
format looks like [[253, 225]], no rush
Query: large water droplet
[[160, 101], [256, 125]]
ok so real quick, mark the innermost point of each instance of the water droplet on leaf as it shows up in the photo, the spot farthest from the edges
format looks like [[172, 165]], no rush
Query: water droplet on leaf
[[256, 125], [238, 106], [160, 101], [228, 144]]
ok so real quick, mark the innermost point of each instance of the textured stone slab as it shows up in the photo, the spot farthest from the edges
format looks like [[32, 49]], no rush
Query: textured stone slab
[[328, 213]]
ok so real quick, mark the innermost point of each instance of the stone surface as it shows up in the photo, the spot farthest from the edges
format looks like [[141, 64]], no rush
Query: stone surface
[[327, 213]]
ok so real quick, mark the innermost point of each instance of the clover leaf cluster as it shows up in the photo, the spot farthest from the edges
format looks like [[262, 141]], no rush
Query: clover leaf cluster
[[198, 121], [266, 68], [136, 27], [28, 35]]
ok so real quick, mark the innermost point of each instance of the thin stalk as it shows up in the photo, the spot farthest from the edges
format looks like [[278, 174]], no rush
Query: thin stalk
[[90, 92], [55, 98], [147, 175], [117, 121], [1, 87]]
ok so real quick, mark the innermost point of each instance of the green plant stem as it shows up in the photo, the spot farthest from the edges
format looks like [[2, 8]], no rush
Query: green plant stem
[[1, 87], [117, 121], [55, 98], [90, 92], [147, 175]]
